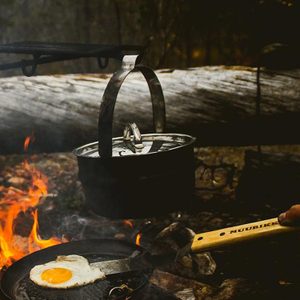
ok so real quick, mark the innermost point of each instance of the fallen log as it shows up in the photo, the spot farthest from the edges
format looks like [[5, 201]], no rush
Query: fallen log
[[215, 104]]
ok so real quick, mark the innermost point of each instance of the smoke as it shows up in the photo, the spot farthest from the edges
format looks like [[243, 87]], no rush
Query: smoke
[[77, 227]]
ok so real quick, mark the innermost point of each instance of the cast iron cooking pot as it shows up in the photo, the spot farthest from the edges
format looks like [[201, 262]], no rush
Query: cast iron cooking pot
[[137, 175]]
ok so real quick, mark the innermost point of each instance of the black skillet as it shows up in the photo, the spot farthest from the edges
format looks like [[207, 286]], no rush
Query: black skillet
[[16, 284]]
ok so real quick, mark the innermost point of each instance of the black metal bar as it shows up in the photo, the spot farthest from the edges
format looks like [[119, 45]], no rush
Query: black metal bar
[[43, 60], [82, 50], [47, 53]]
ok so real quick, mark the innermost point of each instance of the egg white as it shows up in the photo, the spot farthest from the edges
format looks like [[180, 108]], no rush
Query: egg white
[[82, 272]]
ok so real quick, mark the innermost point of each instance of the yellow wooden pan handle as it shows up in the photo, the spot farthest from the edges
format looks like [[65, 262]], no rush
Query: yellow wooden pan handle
[[231, 235]]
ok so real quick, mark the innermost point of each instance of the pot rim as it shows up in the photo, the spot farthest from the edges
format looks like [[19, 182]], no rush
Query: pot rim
[[191, 140]]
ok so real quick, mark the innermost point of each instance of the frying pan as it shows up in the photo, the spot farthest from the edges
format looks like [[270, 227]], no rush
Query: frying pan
[[16, 285]]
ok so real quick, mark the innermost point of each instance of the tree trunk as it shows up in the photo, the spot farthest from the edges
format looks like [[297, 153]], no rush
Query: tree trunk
[[215, 104]]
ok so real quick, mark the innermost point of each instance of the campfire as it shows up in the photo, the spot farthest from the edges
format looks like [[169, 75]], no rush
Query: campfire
[[144, 209], [14, 202], [203, 272]]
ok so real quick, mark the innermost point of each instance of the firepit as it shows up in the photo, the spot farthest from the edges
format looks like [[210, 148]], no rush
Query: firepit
[[222, 275], [39, 212]]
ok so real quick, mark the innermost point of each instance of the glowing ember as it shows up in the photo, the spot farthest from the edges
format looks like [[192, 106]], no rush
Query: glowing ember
[[128, 223], [12, 203], [138, 239]]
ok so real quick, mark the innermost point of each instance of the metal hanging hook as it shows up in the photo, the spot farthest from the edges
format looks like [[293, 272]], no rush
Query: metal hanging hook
[[30, 71], [102, 62]]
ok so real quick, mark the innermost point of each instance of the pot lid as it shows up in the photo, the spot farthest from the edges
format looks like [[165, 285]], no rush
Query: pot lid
[[147, 144]]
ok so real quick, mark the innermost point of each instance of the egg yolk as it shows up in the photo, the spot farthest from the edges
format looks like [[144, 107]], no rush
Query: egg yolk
[[56, 275]]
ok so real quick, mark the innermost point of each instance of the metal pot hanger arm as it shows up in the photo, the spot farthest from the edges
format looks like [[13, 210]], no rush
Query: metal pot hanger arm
[[43, 53]]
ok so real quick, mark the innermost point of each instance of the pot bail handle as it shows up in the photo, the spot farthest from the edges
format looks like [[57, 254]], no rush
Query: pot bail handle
[[105, 121]]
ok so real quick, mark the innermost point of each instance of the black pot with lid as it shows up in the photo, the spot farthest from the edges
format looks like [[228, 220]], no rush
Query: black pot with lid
[[136, 175]]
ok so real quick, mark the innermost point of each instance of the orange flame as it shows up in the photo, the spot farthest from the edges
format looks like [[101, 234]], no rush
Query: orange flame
[[13, 202], [27, 141], [138, 239], [35, 239], [128, 223]]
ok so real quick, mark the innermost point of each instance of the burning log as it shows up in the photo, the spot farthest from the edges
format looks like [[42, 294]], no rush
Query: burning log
[[216, 104]]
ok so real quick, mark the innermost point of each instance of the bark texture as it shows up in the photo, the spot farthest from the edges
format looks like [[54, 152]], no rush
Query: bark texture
[[215, 104]]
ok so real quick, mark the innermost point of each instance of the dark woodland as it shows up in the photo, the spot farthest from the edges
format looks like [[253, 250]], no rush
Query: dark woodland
[[176, 33], [230, 74]]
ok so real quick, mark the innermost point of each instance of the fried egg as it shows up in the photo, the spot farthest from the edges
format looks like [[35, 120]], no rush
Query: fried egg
[[65, 272]]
